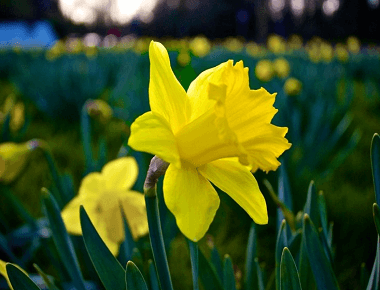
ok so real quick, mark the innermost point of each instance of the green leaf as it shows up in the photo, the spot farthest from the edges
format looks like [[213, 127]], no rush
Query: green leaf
[[282, 241], [376, 217], [133, 278], [208, 275], [305, 272], [374, 279], [375, 163], [153, 276], [319, 263], [110, 271], [250, 274], [127, 246], [290, 279], [228, 274], [260, 278], [19, 280], [323, 213], [194, 263], [48, 280], [311, 205], [62, 240]]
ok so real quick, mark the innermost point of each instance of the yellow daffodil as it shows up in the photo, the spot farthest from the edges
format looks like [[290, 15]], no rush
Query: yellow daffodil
[[276, 44], [292, 87], [3, 272], [341, 52], [184, 57], [16, 111], [353, 44], [200, 46], [281, 67], [234, 44], [100, 109], [212, 133], [254, 49], [102, 194], [264, 70], [13, 159]]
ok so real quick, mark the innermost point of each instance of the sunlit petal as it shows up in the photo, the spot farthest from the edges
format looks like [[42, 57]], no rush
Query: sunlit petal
[[151, 133], [192, 200], [167, 97], [238, 182]]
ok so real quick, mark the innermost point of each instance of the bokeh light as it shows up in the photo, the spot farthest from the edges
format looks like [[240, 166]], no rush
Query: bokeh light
[[116, 11]]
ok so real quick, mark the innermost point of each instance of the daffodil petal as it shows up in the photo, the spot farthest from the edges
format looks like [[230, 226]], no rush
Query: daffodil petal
[[167, 97], [133, 204], [70, 216], [198, 91], [152, 134], [91, 185], [192, 200], [239, 183], [120, 174]]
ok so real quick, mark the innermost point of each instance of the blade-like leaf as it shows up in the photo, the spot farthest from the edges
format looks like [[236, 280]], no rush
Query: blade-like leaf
[[62, 240], [282, 241], [19, 280], [373, 282], [126, 248], [194, 263], [376, 217], [311, 205], [153, 276], [228, 274], [110, 272], [208, 275], [319, 263], [290, 279], [48, 280], [250, 274], [375, 162], [133, 278]]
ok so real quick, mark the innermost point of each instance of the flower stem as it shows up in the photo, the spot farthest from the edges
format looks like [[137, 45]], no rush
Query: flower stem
[[156, 169], [194, 263], [157, 242]]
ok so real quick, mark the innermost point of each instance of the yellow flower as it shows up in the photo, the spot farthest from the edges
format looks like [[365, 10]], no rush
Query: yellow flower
[[200, 46], [102, 194], [264, 70], [281, 67], [234, 44], [254, 49], [203, 134], [292, 87], [353, 44], [276, 44], [184, 58], [341, 52], [295, 42], [99, 108], [3, 272], [13, 159]]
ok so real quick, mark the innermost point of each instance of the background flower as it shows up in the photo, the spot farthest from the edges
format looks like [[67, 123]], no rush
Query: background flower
[[103, 195]]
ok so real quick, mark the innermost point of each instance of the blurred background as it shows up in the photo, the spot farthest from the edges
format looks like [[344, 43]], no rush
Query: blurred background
[[322, 57], [48, 20]]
